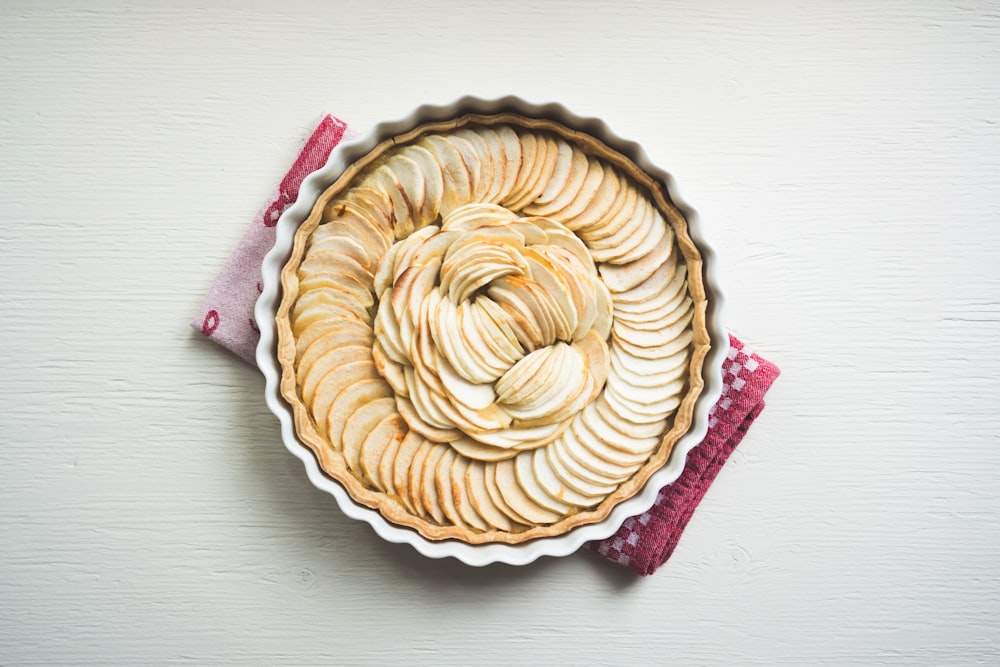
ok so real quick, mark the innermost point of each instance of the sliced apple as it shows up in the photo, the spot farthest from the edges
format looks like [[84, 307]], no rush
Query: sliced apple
[[385, 273], [387, 432], [616, 458], [649, 428], [635, 412], [478, 216], [472, 161], [497, 330], [412, 187], [365, 227], [368, 232], [323, 314], [553, 487], [473, 449], [433, 182], [426, 398], [442, 486], [493, 490], [360, 424], [665, 349], [469, 329], [333, 261], [407, 296], [339, 239], [528, 148], [497, 157], [569, 402], [409, 248], [325, 303], [393, 373], [428, 483], [645, 241], [308, 377], [623, 360], [620, 434], [480, 499], [560, 383], [387, 330], [529, 376], [332, 384], [483, 181], [457, 179], [559, 195], [418, 419], [575, 476], [423, 353], [477, 267], [624, 276], [615, 193], [652, 339], [403, 211], [646, 400], [598, 469], [592, 194], [594, 351], [446, 333], [386, 472], [642, 373], [517, 499], [474, 422], [331, 339], [354, 414], [671, 311], [414, 475], [632, 232], [535, 436], [367, 204], [517, 296], [559, 180], [562, 306], [352, 326], [460, 496], [342, 291], [541, 173], [359, 292], [472, 395], [657, 282], [532, 489], [623, 212], [513, 159], [401, 464]]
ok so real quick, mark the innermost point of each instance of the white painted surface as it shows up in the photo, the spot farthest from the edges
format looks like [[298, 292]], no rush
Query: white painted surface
[[846, 157]]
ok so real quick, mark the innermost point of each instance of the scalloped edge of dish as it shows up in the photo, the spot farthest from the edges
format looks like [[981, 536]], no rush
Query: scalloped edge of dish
[[482, 554]]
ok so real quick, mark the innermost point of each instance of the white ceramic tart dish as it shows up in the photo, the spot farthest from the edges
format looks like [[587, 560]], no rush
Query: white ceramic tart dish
[[491, 330]]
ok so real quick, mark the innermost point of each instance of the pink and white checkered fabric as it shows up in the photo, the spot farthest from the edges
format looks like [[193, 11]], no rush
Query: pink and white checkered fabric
[[226, 315], [644, 542]]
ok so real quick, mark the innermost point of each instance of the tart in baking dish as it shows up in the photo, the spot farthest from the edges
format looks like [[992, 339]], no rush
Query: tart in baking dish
[[492, 329]]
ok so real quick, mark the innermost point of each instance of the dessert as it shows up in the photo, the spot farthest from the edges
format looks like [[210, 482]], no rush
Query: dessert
[[492, 329]]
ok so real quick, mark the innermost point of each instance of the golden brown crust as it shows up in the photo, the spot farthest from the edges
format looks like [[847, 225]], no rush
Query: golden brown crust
[[390, 506]]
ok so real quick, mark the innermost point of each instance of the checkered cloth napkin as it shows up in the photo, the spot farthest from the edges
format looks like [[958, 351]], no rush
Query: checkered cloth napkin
[[644, 542]]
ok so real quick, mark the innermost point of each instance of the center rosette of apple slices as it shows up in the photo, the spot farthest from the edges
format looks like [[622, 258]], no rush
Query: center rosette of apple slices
[[491, 329]]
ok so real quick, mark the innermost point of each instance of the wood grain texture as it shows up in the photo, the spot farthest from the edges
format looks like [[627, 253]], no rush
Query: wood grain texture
[[845, 158]]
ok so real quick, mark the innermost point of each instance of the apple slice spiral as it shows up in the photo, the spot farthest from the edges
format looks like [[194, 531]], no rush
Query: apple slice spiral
[[492, 328]]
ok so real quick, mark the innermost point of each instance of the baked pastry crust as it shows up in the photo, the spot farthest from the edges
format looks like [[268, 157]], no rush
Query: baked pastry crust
[[389, 418]]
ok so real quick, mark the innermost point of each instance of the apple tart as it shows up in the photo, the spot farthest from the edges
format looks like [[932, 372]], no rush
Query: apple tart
[[492, 329]]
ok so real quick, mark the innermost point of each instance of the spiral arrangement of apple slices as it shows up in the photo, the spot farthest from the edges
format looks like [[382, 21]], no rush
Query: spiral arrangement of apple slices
[[492, 327]]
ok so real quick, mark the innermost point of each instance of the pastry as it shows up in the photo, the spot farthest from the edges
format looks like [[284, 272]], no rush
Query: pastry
[[492, 329]]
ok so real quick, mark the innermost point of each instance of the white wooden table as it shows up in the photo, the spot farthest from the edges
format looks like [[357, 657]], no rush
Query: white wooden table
[[845, 158]]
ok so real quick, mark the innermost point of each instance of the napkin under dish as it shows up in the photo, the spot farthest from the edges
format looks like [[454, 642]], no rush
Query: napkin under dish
[[644, 542]]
